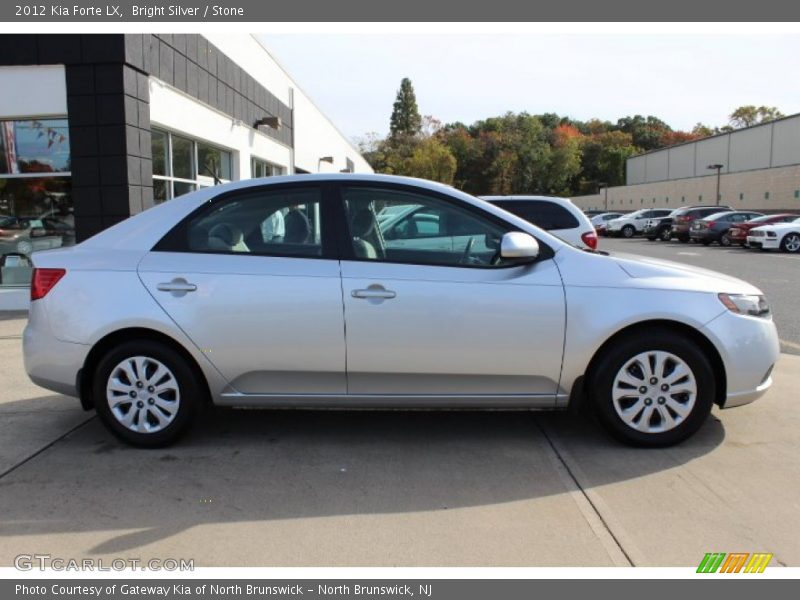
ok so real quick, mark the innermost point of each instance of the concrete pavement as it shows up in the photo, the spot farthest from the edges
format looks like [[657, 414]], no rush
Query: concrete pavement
[[283, 488]]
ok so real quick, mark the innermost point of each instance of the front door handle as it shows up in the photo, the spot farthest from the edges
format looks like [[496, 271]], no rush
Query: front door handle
[[374, 292], [177, 286]]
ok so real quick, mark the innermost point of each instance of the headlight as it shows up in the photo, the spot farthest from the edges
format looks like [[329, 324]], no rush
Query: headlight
[[745, 304]]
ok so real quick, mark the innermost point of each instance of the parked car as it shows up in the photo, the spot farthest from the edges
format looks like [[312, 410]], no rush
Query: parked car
[[738, 233], [188, 302], [715, 227], [659, 228], [783, 236], [632, 224], [593, 212], [684, 217], [600, 221], [25, 235], [559, 216]]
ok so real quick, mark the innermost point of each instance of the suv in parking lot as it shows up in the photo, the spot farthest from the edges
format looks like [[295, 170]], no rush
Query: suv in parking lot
[[559, 216], [683, 218], [628, 226]]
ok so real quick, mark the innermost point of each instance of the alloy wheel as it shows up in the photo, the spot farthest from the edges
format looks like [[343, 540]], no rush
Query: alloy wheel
[[654, 392], [143, 394], [792, 242]]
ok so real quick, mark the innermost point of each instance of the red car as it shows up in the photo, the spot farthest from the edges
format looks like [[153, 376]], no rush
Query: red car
[[738, 233]]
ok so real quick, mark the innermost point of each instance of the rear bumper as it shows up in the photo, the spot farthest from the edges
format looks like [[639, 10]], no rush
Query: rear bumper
[[704, 236], [749, 348], [50, 362]]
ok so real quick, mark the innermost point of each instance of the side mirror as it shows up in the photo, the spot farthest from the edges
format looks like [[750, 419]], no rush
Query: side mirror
[[38, 232], [517, 245]]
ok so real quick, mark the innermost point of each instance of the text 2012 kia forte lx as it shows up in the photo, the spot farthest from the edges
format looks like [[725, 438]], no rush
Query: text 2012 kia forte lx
[[290, 292]]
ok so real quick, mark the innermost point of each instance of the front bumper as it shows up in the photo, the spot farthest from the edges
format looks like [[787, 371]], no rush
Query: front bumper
[[764, 242], [749, 348]]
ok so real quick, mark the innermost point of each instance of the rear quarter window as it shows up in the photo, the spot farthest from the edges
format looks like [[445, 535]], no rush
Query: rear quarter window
[[546, 215]]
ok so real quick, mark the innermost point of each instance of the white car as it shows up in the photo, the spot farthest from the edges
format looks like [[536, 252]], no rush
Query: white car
[[778, 236], [631, 224], [559, 216]]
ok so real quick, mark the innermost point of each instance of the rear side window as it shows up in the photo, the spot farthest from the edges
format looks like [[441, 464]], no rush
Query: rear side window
[[264, 222], [541, 213]]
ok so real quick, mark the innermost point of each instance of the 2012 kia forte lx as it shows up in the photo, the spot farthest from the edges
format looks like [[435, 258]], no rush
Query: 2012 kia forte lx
[[290, 292]]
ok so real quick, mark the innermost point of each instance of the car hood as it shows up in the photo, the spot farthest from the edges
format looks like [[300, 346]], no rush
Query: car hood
[[672, 275]]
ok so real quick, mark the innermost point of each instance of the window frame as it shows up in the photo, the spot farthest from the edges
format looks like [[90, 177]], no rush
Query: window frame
[[345, 243], [176, 239], [257, 160], [200, 181]]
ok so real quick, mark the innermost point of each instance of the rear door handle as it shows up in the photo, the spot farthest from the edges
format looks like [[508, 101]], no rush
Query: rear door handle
[[374, 293], [176, 286]]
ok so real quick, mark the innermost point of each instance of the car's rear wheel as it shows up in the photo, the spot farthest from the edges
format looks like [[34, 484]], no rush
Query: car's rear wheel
[[653, 388], [146, 393], [791, 242], [725, 240], [628, 231]]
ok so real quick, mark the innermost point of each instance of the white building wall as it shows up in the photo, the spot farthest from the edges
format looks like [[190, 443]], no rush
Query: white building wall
[[33, 91], [314, 134], [173, 110]]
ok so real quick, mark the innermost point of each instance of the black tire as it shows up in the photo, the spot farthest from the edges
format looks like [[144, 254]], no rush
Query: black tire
[[191, 392], [789, 240], [605, 369], [725, 240], [628, 231], [665, 235]]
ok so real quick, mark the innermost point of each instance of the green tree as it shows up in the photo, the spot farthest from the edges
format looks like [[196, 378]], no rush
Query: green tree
[[432, 160], [405, 120], [747, 116]]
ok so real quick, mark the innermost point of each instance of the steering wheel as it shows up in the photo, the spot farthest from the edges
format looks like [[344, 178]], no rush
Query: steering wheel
[[467, 251]]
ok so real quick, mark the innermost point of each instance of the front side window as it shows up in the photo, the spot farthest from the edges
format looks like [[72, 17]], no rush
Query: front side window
[[182, 165], [398, 226], [36, 209], [263, 222]]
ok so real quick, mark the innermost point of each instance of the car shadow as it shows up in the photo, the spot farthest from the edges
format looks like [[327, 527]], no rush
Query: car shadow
[[258, 465]]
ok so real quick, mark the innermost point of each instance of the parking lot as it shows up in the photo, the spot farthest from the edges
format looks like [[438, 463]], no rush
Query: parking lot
[[298, 488]]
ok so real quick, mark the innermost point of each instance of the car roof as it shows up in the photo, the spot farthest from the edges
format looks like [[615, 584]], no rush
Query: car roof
[[554, 199]]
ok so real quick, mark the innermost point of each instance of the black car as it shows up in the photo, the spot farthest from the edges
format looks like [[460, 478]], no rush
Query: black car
[[715, 227], [659, 228]]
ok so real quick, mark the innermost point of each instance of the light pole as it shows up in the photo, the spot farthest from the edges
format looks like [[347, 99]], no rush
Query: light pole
[[718, 167], [604, 186]]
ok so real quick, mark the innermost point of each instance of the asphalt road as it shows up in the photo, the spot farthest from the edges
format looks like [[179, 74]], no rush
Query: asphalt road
[[777, 275], [440, 488]]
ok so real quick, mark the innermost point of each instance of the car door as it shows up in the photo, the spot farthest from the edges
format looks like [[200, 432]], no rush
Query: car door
[[446, 326], [265, 309]]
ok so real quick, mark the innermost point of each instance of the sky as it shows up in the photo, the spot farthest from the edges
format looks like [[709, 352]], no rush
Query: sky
[[682, 79]]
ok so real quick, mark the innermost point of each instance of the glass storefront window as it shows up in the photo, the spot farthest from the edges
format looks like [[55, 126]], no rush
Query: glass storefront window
[[182, 165], [262, 168], [36, 209]]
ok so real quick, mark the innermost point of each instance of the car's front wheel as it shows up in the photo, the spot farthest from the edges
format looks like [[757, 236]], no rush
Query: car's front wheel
[[666, 234], [628, 231], [146, 393], [653, 388], [791, 242]]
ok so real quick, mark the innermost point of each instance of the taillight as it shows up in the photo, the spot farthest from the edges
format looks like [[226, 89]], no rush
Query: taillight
[[590, 239], [44, 280], [710, 223]]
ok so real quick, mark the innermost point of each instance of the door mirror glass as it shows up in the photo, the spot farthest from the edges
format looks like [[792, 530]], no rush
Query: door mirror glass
[[517, 245]]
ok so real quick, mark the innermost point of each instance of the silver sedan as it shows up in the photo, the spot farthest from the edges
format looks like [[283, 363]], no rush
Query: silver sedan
[[289, 293]]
